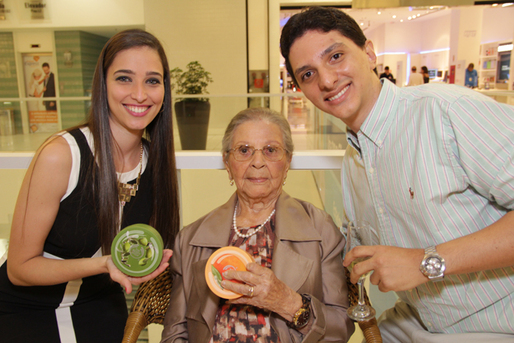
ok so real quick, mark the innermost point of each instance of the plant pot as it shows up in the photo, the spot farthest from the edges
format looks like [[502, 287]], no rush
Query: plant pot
[[193, 123]]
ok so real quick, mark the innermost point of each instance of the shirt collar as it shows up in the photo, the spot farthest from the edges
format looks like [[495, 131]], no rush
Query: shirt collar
[[379, 121], [353, 140]]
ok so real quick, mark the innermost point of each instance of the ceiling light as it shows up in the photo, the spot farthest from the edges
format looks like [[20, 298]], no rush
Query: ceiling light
[[505, 47], [436, 50], [507, 4], [494, 5], [362, 24], [379, 13], [401, 20], [391, 53], [394, 16]]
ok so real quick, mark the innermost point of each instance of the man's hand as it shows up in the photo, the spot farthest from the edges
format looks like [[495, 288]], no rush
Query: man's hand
[[394, 269]]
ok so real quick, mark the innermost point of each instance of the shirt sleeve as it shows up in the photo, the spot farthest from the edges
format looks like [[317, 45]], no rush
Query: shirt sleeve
[[480, 132]]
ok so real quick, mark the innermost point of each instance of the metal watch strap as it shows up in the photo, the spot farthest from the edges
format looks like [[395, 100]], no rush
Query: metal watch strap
[[433, 265]]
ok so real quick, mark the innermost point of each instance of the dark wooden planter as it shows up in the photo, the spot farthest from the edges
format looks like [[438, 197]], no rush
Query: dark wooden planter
[[193, 123]]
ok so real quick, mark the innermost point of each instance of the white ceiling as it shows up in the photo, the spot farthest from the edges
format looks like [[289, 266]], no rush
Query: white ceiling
[[372, 18]]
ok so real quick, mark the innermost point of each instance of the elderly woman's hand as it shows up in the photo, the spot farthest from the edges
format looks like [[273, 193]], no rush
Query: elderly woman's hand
[[268, 291]]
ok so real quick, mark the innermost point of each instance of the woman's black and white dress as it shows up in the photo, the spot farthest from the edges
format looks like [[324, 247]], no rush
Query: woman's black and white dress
[[92, 309]]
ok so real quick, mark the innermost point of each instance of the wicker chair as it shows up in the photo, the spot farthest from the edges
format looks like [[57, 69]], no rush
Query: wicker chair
[[152, 299]]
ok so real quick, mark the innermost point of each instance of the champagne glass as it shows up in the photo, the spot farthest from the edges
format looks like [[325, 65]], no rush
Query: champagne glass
[[360, 232]]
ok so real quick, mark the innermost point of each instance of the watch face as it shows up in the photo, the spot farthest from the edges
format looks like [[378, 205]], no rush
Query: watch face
[[433, 266], [303, 319]]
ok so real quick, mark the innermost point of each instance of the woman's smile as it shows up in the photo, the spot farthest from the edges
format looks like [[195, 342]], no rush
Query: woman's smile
[[137, 110]]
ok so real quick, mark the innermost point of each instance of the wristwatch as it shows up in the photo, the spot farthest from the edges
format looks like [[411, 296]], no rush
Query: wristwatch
[[433, 265], [301, 317]]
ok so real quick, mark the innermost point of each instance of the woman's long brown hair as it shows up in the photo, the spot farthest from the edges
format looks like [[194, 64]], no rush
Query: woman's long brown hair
[[159, 133]]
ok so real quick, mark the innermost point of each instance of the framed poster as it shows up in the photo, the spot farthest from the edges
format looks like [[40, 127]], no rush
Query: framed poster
[[40, 84]]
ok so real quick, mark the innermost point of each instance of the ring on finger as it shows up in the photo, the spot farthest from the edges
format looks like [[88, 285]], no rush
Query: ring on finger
[[250, 291]]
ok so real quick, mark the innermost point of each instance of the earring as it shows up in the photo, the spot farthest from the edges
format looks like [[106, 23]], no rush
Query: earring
[[231, 182], [284, 183]]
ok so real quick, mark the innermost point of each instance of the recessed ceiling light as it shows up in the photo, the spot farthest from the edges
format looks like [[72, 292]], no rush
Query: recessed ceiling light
[[379, 13], [394, 16], [507, 4], [401, 20]]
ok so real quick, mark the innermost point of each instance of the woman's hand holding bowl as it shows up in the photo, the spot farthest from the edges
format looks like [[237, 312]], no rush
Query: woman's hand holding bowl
[[263, 289]]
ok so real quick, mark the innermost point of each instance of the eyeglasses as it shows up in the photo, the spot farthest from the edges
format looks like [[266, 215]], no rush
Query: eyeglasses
[[245, 153]]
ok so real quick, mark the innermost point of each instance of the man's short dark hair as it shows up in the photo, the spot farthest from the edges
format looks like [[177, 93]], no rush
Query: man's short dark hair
[[386, 68], [323, 19], [45, 65]]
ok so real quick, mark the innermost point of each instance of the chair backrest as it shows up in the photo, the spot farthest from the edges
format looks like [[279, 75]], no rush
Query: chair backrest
[[152, 299], [149, 307]]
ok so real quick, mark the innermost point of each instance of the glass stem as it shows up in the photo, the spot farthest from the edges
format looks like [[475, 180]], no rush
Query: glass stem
[[361, 290]]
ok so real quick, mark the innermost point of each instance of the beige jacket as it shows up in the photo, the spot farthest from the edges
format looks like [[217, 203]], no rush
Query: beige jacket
[[307, 257]]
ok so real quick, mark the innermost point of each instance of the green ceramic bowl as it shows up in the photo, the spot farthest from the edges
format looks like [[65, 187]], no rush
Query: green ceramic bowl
[[137, 250]]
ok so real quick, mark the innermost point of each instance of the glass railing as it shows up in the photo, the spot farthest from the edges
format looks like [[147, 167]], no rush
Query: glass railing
[[25, 123], [319, 139]]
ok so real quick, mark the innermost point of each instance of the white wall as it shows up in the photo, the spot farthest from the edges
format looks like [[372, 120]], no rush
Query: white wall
[[435, 33], [258, 35], [213, 33], [65, 14], [498, 24]]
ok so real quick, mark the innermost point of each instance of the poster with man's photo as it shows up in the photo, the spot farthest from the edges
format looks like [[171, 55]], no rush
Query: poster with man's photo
[[40, 84]]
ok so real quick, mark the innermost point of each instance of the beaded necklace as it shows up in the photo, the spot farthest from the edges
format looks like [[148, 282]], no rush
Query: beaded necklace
[[239, 234]]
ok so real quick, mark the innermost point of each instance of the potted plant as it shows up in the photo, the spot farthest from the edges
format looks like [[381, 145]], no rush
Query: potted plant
[[192, 113]]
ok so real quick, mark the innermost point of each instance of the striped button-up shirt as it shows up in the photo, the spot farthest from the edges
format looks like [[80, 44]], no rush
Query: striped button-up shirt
[[431, 164]]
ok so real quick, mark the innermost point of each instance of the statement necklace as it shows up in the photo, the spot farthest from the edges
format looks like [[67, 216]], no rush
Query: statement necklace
[[239, 234], [126, 190]]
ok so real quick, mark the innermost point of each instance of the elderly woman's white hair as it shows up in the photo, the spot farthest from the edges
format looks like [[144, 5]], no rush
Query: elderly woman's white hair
[[258, 113]]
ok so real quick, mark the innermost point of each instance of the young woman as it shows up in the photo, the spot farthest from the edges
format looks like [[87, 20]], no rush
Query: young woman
[[82, 187]]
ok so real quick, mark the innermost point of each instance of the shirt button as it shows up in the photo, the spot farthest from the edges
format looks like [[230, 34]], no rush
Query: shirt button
[[381, 210], [379, 142], [371, 170]]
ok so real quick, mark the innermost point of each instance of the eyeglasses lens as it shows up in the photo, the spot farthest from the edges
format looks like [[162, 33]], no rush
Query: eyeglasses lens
[[246, 152]]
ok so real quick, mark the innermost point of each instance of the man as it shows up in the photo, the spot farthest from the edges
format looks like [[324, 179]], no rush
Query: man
[[431, 168], [387, 74], [49, 90], [471, 78], [415, 78]]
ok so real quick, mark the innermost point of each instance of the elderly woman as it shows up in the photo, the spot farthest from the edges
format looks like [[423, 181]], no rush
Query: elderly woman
[[296, 289]]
